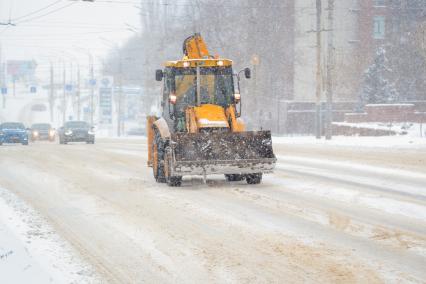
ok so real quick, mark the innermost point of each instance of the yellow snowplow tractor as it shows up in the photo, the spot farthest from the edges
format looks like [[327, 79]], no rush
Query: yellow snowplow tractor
[[200, 131]]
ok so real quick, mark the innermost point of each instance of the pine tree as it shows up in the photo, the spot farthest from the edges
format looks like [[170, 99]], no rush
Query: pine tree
[[378, 87]]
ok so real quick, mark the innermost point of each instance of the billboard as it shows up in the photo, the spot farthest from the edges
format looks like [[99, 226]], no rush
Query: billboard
[[20, 69]]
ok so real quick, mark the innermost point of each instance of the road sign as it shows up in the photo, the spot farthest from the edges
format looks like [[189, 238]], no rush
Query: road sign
[[92, 82], [105, 105], [107, 81], [4, 91], [68, 87], [33, 89]]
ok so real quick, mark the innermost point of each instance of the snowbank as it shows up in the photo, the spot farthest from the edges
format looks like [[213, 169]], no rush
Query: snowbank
[[30, 250], [400, 142]]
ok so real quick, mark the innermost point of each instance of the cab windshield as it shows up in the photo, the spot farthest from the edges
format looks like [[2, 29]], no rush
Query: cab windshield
[[41, 126], [76, 124], [216, 86]]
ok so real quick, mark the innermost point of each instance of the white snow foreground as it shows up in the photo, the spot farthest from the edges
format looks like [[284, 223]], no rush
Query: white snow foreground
[[30, 250]]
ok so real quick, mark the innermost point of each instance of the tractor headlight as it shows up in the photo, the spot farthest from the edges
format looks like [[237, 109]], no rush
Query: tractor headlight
[[68, 132], [172, 98]]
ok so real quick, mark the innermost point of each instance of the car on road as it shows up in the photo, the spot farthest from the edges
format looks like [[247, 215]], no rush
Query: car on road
[[42, 131], [76, 131], [13, 132]]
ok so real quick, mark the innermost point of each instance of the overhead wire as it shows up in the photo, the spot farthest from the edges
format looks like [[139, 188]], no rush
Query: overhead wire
[[46, 14], [37, 11]]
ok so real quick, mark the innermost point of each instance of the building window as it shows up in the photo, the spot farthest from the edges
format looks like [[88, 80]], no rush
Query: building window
[[379, 27], [379, 3]]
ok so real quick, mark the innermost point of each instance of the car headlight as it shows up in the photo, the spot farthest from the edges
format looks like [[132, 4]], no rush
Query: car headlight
[[91, 132], [35, 133], [68, 132], [52, 133]]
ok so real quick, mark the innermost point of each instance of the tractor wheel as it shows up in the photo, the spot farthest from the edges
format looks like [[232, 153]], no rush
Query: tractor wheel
[[158, 165], [254, 178], [234, 177], [174, 181]]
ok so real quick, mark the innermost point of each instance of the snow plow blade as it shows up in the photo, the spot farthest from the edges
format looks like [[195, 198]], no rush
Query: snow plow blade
[[222, 153]]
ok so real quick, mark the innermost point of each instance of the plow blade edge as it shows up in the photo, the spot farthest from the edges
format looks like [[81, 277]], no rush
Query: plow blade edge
[[222, 153]]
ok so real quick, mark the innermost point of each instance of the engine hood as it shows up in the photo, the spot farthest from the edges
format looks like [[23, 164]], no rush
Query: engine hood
[[210, 116]]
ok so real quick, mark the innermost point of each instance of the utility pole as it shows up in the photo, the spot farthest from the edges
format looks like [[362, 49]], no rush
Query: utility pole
[[78, 93], [14, 85], [51, 92], [318, 73], [92, 90], [71, 84], [120, 92], [330, 70], [64, 102], [2, 81]]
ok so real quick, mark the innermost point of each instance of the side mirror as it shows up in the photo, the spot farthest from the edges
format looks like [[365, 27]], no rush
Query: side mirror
[[159, 75], [247, 73]]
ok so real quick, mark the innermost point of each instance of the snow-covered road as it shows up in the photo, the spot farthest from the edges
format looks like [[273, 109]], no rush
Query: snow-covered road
[[327, 214]]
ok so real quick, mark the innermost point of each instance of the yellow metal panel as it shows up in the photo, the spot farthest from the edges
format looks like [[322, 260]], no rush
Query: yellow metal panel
[[210, 116], [150, 136], [237, 125], [196, 47]]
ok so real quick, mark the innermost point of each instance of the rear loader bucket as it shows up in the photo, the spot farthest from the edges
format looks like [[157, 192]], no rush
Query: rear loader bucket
[[222, 153]]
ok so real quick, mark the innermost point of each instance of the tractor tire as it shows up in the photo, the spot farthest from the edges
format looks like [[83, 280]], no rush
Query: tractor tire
[[173, 181], [234, 177], [254, 178], [158, 151]]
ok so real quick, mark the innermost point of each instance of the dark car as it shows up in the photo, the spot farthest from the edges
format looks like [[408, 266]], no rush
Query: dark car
[[76, 131], [42, 131], [13, 132]]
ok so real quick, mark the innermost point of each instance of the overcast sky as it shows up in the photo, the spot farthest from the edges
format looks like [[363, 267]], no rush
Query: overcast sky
[[65, 28]]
